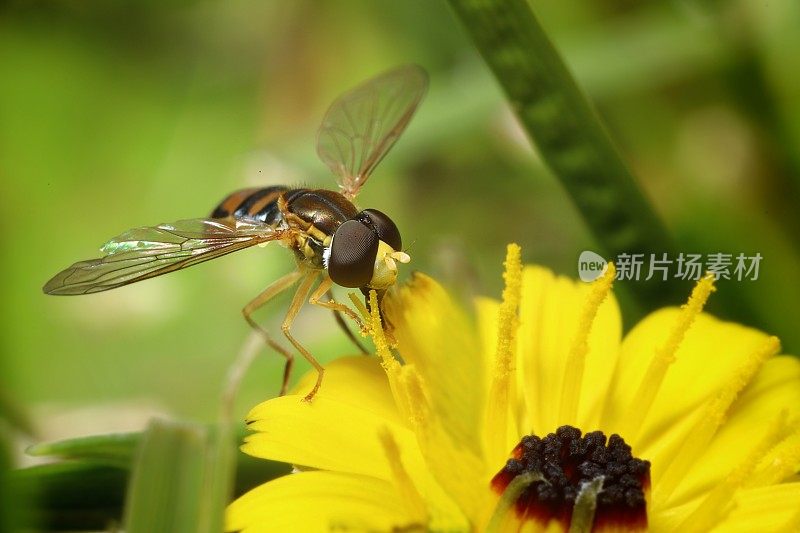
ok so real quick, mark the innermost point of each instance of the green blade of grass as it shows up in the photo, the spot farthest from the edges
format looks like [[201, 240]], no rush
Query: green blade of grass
[[568, 133], [173, 486], [220, 466]]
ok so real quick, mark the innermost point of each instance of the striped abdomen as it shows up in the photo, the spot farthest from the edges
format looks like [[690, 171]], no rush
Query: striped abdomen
[[255, 203]]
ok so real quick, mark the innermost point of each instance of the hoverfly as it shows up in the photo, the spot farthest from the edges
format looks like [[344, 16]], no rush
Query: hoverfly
[[332, 240]]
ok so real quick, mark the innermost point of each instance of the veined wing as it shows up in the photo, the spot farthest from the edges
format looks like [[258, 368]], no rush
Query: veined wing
[[362, 125], [146, 252]]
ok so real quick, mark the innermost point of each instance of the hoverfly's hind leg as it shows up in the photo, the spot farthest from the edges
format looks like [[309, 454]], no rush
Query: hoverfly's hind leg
[[297, 302], [270, 292]]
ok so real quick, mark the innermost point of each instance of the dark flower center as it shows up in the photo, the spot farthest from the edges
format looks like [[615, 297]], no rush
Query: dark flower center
[[565, 463]]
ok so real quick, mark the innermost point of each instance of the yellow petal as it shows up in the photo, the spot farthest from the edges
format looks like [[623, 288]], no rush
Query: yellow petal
[[412, 397], [327, 434], [319, 501], [773, 391], [672, 468], [337, 435], [435, 336], [549, 319], [456, 469], [720, 496], [486, 312], [338, 429], [415, 505], [427, 503], [710, 353], [775, 508], [357, 380]]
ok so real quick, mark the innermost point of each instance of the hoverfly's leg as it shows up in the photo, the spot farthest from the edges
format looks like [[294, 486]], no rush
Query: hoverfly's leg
[[270, 292], [343, 326], [297, 302], [324, 287]]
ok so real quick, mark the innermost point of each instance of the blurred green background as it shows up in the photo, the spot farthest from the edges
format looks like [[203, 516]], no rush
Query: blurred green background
[[118, 114]]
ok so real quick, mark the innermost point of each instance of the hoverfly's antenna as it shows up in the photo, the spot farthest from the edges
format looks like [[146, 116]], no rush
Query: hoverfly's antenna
[[400, 257], [408, 248]]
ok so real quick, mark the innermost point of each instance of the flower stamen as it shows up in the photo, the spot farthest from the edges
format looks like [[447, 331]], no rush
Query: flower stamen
[[404, 380], [665, 356], [576, 361], [502, 388], [388, 362], [780, 463]]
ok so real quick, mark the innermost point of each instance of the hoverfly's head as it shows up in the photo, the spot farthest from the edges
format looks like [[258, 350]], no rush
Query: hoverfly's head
[[364, 252]]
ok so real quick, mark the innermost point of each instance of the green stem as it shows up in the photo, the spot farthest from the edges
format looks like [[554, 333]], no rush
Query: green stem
[[568, 132]]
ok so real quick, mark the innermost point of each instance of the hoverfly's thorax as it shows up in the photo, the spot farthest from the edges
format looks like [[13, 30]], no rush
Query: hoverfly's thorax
[[317, 214], [323, 209], [314, 214]]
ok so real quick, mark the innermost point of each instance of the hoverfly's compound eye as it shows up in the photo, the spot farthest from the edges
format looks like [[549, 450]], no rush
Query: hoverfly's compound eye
[[352, 257], [384, 226]]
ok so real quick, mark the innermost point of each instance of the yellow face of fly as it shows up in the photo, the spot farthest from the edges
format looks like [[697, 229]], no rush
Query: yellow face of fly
[[384, 273]]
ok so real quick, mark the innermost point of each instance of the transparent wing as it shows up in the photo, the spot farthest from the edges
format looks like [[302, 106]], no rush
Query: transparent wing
[[146, 252], [362, 125]]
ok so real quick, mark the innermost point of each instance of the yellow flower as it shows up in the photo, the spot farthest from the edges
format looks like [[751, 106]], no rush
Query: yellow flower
[[700, 421]]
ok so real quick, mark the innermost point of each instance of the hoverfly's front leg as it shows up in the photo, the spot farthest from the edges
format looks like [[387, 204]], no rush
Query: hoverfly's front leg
[[270, 292], [323, 288], [343, 326], [297, 302]]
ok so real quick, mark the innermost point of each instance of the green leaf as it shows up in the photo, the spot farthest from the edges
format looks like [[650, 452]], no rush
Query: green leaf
[[115, 449], [89, 495], [8, 511], [69, 496], [568, 133]]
